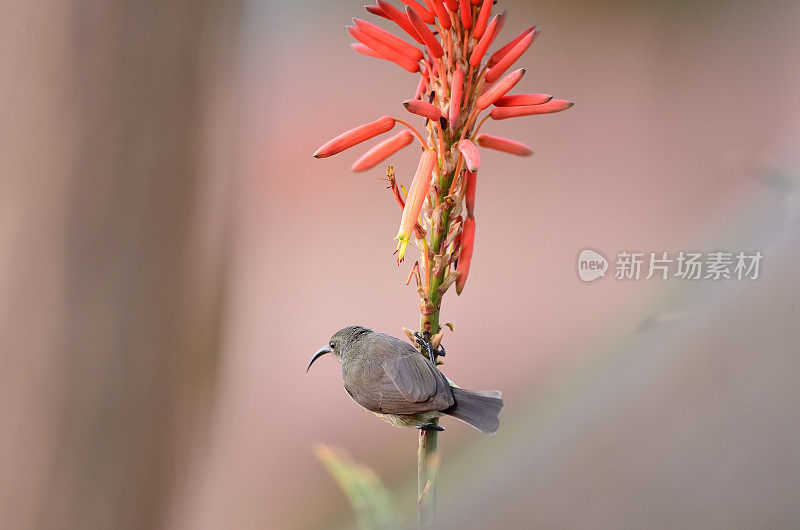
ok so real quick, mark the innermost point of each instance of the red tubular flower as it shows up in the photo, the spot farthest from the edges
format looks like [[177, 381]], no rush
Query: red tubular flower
[[503, 144], [452, 5], [426, 15], [423, 108], [430, 40], [499, 89], [456, 88], [554, 105], [375, 10], [416, 197], [499, 54], [508, 59], [466, 13], [389, 39], [385, 50], [469, 193], [441, 13], [516, 100], [471, 154], [355, 136], [421, 87], [483, 44], [465, 257], [399, 18], [483, 18], [366, 50], [383, 150]]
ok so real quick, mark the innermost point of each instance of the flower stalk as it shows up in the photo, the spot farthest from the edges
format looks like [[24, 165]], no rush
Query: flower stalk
[[457, 83]]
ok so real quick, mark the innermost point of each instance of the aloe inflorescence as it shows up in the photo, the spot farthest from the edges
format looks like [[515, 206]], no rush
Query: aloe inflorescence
[[458, 80]]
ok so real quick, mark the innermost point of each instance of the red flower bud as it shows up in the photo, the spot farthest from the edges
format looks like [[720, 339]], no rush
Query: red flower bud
[[423, 108], [366, 50], [508, 59], [466, 13], [503, 144], [471, 154], [517, 100], [390, 40], [383, 150], [375, 10], [426, 15], [465, 257], [499, 89], [452, 5], [355, 136], [384, 50], [499, 54], [486, 40], [430, 41], [554, 105], [483, 18], [469, 193], [416, 197], [399, 18], [456, 88], [441, 13]]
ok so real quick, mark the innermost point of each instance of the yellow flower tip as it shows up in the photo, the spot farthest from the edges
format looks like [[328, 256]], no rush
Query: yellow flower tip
[[401, 249]]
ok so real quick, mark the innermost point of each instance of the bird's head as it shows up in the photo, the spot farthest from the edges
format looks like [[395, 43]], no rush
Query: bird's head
[[340, 343]]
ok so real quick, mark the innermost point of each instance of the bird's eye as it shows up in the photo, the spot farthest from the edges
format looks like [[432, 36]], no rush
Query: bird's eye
[[332, 344]]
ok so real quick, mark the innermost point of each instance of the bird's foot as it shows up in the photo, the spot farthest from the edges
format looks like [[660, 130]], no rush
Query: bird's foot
[[424, 340], [430, 427]]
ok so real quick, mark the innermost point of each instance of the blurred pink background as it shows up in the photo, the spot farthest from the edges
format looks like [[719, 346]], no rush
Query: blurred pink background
[[635, 404]]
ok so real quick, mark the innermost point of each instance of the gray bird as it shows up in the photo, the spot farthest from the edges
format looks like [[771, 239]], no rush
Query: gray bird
[[390, 378]]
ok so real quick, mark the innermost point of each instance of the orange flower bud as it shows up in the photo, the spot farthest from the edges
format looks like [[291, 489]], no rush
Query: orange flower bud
[[399, 18], [426, 15], [416, 197], [412, 52], [483, 18], [465, 257], [499, 54], [554, 105], [503, 144], [383, 150], [441, 13], [355, 136], [456, 89], [471, 154], [517, 100], [485, 41], [499, 89], [375, 10], [469, 193], [423, 108], [430, 40], [466, 13], [385, 50], [508, 59]]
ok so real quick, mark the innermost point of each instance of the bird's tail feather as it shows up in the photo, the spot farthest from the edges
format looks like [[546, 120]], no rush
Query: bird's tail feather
[[479, 409]]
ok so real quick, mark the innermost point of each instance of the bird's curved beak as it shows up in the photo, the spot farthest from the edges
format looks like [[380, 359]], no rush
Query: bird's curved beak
[[320, 352]]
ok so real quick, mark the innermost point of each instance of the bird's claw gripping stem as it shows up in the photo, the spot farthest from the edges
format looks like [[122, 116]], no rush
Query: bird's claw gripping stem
[[431, 427], [424, 340]]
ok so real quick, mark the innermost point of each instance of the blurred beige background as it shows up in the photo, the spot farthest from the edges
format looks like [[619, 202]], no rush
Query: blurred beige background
[[171, 255]]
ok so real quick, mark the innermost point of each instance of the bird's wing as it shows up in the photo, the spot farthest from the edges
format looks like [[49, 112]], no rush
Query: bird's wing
[[411, 384], [411, 376]]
